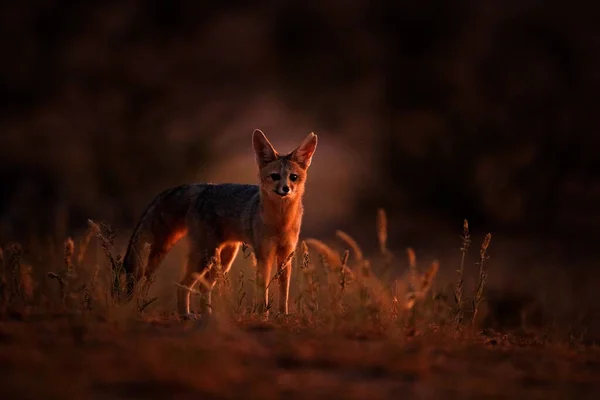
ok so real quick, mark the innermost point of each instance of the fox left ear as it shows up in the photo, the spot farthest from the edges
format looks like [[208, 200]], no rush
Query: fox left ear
[[303, 153]]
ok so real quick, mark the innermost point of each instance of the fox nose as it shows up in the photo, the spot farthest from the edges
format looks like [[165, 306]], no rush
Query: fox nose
[[285, 189]]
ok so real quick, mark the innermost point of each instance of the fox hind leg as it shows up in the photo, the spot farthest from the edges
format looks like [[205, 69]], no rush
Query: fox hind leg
[[227, 255], [161, 248], [202, 266], [186, 285], [161, 245], [199, 266]]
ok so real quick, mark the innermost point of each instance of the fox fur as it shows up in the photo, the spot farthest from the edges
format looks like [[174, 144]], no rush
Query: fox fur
[[218, 218]]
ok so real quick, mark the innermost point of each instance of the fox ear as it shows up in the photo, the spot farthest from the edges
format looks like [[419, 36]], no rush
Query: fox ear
[[303, 153], [265, 153]]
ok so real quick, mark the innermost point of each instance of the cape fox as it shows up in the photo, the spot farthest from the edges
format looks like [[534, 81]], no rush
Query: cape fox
[[218, 218]]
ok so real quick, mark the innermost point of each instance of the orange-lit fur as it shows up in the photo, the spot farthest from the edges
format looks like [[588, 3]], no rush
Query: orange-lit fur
[[218, 218]]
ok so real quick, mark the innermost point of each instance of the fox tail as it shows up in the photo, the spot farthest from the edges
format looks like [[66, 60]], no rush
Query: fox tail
[[161, 226]]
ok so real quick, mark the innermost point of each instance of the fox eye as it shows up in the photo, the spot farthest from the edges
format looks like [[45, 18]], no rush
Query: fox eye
[[275, 177], [293, 177]]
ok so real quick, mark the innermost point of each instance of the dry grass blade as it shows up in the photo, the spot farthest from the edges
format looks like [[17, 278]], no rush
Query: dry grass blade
[[382, 231], [458, 288], [424, 284], [377, 291], [88, 292], [85, 242], [60, 278], [199, 279], [344, 271], [309, 294], [412, 269], [349, 240], [429, 276], [248, 253], [143, 300], [330, 255], [485, 245], [483, 257], [187, 289], [345, 258], [305, 256], [412, 259], [146, 303], [69, 251], [106, 236]]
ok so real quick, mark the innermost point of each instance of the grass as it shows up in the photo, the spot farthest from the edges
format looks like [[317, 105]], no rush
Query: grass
[[360, 326]]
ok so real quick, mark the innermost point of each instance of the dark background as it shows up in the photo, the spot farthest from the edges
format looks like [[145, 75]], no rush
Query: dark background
[[437, 111]]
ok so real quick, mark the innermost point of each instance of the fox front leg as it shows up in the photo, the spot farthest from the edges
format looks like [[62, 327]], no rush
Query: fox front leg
[[264, 262], [284, 272]]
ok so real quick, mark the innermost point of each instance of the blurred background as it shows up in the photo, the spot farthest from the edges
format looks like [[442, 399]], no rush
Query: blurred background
[[437, 111]]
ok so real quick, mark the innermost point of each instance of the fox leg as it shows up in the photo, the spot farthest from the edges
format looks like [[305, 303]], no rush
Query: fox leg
[[161, 248], [209, 274], [284, 271], [187, 284], [200, 266], [207, 283], [157, 255], [264, 261], [161, 245], [228, 254]]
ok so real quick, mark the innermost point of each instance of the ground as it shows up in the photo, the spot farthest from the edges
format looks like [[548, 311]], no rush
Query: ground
[[355, 332], [58, 357]]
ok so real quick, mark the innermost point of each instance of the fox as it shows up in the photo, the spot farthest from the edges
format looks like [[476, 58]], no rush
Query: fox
[[217, 219]]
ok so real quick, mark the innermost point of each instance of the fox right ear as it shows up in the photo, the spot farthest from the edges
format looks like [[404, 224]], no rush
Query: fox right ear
[[264, 150]]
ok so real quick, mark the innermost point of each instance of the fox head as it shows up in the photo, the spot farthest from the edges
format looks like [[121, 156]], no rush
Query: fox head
[[283, 176]]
